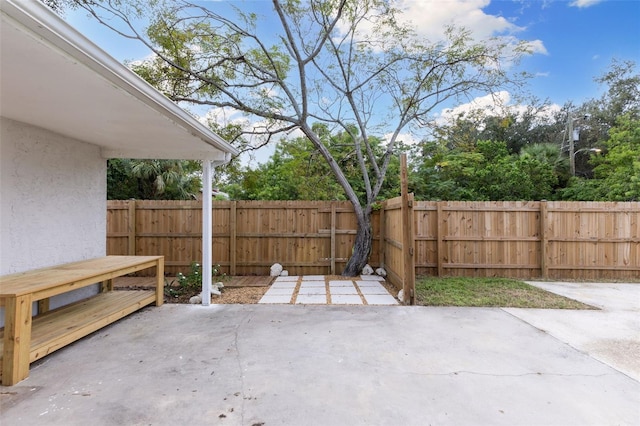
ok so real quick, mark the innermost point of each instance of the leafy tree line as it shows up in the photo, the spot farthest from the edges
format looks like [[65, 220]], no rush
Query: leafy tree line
[[475, 157]]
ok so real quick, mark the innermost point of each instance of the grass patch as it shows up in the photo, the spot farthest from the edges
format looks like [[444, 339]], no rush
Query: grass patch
[[489, 292]]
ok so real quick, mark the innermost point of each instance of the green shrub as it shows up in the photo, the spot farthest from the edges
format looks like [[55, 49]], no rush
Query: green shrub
[[191, 283]]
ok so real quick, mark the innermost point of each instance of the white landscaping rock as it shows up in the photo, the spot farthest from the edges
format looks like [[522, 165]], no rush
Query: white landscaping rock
[[276, 270], [367, 270], [381, 272], [284, 273], [216, 288], [195, 300], [401, 296]]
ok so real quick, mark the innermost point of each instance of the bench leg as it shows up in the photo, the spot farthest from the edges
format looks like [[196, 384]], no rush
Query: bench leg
[[43, 306], [17, 340], [106, 286], [160, 282]]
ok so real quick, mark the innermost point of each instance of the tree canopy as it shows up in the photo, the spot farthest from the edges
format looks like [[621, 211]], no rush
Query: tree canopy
[[153, 179], [348, 65]]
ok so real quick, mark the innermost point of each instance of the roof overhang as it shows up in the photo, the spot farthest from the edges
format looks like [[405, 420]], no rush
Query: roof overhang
[[53, 77]]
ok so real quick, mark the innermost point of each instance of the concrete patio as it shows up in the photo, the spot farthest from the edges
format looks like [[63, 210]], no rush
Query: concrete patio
[[343, 365]]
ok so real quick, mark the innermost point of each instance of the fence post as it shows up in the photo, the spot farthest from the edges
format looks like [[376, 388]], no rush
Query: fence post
[[440, 238], [232, 238], [382, 245], [131, 221], [408, 239], [544, 239], [332, 249]]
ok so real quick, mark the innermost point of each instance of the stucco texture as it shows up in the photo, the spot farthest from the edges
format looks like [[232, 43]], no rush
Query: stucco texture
[[52, 198]]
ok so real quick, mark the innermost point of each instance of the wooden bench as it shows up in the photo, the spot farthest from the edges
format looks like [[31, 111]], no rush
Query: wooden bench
[[25, 339]]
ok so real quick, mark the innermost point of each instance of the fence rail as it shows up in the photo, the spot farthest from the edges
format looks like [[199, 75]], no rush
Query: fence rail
[[555, 240]]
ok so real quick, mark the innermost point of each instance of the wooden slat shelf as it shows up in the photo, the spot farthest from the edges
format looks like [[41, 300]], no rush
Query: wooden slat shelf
[[60, 327]]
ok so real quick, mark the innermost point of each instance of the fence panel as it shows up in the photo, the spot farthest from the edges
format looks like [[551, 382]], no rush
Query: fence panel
[[592, 240], [288, 233], [489, 239], [556, 240], [393, 259], [306, 237], [427, 243]]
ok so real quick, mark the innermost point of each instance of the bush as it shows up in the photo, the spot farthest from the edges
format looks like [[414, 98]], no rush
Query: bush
[[190, 283]]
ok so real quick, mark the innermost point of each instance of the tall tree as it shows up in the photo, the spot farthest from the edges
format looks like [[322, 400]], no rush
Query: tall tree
[[594, 118], [349, 64], [619, 170], [550, 154], [487, 172], [516, 126]]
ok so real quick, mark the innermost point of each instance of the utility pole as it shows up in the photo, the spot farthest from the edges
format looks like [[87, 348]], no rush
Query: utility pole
[[572, 155]]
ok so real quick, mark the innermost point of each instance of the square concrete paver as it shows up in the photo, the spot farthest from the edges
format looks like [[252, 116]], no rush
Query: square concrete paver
[[312, 284], [312, 290], [279, 291], [276, 298], [287, 285], [368, 283], [345, 299], [291, 278], [311, 299], [313, 277], [343, 290], [373, 290], [380, 299], [371, 278], [340, 283]]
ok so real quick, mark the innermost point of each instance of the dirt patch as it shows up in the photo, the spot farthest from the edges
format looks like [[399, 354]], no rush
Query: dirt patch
[[237, 290]]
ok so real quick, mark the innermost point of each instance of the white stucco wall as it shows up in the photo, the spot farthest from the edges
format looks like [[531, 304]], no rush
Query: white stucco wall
[[52, 200]]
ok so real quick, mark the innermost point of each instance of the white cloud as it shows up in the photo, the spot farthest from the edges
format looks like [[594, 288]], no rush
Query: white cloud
[[405, 138], [496, 104], [430, 18], [225, 116], [537, 46], [491, 104], [584, 3]]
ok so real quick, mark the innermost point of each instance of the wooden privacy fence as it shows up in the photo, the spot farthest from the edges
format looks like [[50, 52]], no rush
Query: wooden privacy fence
[[306, 237], [555, 240]]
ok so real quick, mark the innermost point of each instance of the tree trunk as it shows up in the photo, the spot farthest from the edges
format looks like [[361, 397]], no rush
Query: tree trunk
[[361, 246]]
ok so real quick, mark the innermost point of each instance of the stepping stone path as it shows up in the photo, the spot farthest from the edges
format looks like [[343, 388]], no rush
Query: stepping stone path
[[326, 290]]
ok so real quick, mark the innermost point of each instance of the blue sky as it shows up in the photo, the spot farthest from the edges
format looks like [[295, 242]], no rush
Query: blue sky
[[579, 38], [573, 41], [580, 42]]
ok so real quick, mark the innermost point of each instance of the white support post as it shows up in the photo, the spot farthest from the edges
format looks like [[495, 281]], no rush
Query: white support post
[[207, 233]]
